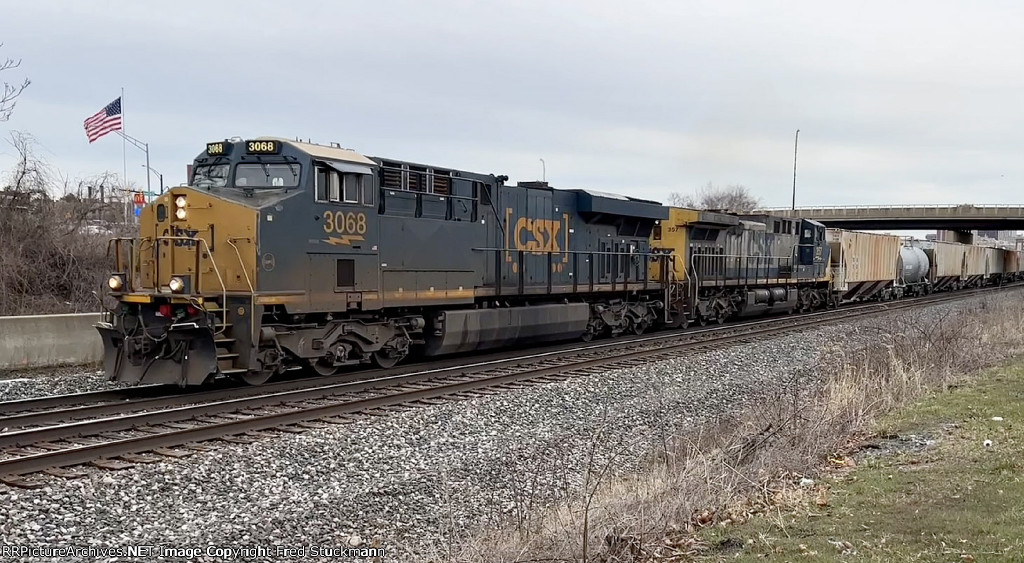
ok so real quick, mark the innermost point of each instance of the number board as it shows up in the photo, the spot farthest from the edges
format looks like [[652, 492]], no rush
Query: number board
[[262, 147], [214, 149]]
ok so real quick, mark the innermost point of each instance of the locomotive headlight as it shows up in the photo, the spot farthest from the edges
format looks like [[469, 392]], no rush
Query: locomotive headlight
[[180, 201], [180, 213], [115, 283], [176, 284]]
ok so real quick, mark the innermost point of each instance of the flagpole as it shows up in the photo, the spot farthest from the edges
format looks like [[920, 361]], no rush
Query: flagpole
[[124, 161]]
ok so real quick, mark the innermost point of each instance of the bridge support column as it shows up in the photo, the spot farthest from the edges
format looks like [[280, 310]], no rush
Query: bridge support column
[[963, 237]]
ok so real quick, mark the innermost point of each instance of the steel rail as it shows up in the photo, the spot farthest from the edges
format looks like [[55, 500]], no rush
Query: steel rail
[[438, 386], [120, 404]]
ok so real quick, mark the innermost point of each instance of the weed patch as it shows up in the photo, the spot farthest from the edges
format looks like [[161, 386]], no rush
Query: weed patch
[[818, 466]]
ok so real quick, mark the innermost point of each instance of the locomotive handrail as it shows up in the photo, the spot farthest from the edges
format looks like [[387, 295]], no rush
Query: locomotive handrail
[[716, 267], [129, 281], [594, 252], [252, 290], [520, 267], [213, 262], [130, 271], [238, 253]]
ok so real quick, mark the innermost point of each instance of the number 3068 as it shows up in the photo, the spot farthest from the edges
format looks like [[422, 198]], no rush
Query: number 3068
[[345, 223]]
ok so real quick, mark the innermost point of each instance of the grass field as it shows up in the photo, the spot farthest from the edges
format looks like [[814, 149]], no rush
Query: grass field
[[928, 487]]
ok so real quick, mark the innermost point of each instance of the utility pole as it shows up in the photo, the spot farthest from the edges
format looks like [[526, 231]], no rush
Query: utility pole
[[152, 170], [144, 147], [796, 143]]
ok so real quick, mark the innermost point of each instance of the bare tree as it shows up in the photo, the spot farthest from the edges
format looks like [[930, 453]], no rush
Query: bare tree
[[735, 198], [10, 93], [49, 263]]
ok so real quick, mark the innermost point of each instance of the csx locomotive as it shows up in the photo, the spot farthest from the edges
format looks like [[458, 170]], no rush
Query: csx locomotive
[[283, 254]]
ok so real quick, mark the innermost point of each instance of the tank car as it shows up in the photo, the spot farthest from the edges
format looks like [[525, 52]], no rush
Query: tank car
[[913, 270], [283, 254]]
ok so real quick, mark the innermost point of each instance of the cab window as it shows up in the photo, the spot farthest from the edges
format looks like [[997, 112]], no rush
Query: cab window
[[351, 187], [210, 176], [337, 187], [265, 175]]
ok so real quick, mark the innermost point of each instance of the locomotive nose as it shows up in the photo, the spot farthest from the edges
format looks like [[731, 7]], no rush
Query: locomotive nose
[[194, 249], [201, 244]]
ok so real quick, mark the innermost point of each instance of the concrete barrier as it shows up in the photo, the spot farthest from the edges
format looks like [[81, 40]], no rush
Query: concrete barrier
[[48, 340]]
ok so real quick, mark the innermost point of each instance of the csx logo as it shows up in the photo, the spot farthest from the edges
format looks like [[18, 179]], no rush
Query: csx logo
[[538, 235], [188, 233]]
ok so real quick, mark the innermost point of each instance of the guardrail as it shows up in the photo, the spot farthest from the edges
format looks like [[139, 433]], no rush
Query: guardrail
[[49, 340]]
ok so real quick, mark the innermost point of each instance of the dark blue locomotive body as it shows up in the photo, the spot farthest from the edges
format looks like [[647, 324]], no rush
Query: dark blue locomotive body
[[490, 263], [285, 253]]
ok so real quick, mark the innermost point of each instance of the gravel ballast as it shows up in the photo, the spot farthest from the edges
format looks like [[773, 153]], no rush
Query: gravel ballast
[[415, 480], [16, 385]]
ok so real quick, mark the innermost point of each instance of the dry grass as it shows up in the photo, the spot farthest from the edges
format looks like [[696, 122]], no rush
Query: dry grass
[[750, 462]]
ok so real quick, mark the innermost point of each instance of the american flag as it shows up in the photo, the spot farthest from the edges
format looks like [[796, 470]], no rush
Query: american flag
[[107, 120]]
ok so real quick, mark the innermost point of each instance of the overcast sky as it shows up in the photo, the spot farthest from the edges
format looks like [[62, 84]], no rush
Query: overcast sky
[[896, 102]]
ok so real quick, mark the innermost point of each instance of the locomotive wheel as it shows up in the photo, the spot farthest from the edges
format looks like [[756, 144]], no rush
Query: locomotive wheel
[[325, 369], [638, 328], [386, 361], [702, 320], [256, 377], [720, 319]]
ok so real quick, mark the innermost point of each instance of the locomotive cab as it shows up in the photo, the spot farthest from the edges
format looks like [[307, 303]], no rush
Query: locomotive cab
[[191, 286]]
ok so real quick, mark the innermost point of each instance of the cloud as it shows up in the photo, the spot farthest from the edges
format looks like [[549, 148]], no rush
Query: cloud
[[909, 102]]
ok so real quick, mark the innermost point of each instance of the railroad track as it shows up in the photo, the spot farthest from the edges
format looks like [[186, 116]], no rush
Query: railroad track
[[144, 430], [56, 409]]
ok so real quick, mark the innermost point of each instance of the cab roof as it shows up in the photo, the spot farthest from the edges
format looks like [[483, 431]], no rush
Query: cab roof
[[324, 152]]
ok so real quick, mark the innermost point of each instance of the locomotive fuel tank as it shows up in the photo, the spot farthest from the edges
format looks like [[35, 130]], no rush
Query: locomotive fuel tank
[[914, 265]]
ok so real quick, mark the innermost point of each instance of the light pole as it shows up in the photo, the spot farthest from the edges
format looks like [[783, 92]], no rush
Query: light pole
[[796, 143], [543, 171], [161, 176]]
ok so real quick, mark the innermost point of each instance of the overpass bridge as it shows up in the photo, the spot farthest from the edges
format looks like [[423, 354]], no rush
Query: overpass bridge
[[962, 219]]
